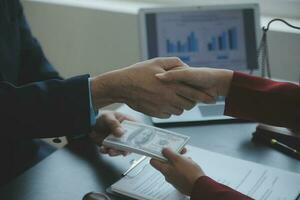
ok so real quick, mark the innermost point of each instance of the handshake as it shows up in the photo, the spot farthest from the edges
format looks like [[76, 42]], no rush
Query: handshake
[[158, 87]]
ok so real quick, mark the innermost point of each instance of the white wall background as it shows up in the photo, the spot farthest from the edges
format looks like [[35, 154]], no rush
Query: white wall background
[[94, 36]]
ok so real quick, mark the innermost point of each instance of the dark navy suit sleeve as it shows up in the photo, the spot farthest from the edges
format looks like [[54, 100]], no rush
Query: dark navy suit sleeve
[[34, 65], [40, 104], [45, 109]]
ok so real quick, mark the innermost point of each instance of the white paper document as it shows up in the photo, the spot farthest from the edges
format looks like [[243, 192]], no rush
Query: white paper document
[[255, 180], [147, 184]]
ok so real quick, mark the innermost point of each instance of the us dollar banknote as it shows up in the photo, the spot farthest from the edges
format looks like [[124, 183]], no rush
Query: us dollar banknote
[[146, 140]]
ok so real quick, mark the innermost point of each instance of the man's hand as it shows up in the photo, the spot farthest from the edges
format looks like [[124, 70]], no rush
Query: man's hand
[[109, 123], [211, 82], [138, 87], [180, 171]]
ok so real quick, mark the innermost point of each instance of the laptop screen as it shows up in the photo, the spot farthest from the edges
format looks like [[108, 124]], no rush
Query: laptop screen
[[211, 38]]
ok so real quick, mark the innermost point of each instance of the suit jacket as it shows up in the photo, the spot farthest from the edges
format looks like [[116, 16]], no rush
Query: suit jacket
[[34, 100], [258, 99]]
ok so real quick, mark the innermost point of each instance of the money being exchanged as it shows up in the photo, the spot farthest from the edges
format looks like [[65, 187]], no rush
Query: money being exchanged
[[146, 140]]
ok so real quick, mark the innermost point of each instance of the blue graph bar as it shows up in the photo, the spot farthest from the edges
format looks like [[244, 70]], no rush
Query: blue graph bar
[[190, 45], [226, 40], [214, 43], [169, 46], [224, 43], [209, 47], [179, 47], [192, 42], [232, 38], [220, 43]]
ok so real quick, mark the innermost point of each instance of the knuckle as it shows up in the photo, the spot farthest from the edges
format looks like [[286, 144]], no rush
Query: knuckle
[[176, 159], [187, 105], [181, 111], [178, 60], [179, 105], [207, 99], [113, 123], [178, 112], [157, 61]]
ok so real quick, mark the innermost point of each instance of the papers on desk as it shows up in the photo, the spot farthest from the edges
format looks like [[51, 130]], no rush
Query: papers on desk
[[255, 180], [146, 183]]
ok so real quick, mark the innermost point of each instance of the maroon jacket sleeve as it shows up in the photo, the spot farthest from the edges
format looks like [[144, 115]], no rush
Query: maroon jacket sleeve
[[264, 100], [257, 99], [206, 188]]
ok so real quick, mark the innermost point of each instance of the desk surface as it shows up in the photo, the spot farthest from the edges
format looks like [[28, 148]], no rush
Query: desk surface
[[71, 172]]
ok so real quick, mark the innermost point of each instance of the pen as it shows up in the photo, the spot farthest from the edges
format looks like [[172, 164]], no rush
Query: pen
[[135, 163], [277, 145], [286, 147]]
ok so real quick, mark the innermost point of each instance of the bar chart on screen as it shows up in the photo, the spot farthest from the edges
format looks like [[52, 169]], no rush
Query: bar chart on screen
[[212, 39]]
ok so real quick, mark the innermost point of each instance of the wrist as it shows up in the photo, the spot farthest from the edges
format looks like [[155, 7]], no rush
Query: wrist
[[194, 179], [225, 77], [191, 185], [105, 89]]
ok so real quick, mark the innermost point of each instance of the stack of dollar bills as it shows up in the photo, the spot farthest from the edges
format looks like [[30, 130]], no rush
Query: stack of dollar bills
[[146, 140]]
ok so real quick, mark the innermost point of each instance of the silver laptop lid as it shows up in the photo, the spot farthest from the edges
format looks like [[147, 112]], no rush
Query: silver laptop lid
[[211, 36]]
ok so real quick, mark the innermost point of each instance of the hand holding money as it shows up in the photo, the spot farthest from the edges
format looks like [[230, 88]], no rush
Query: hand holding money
[[182, 172], [146, 140], [108, 123]]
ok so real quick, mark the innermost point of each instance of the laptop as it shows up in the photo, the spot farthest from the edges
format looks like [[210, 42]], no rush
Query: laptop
[[219, 36]]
